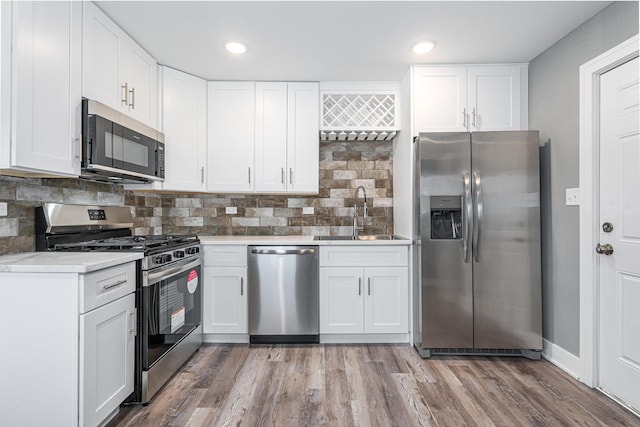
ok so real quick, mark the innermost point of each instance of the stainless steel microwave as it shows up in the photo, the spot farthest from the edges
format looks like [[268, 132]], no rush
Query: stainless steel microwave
[[117, 148]]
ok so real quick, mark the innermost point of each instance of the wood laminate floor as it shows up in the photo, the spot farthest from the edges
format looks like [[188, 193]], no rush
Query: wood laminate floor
[[369, 385]]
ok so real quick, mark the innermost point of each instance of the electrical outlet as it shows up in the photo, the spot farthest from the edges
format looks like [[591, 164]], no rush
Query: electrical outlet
[[572, 196], [3, 209], [231, 210], [308, 210]]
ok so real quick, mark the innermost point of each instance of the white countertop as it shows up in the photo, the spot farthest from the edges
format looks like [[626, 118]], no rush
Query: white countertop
[[63, 262], [292, 240]]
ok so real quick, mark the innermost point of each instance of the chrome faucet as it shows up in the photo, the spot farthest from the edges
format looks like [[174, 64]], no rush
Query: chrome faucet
[[356, 229]]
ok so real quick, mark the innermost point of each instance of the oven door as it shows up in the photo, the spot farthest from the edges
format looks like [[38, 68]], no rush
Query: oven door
[[171, 308]]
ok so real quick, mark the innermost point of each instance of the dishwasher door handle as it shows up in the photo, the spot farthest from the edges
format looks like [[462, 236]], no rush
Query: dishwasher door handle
[[308, 251]]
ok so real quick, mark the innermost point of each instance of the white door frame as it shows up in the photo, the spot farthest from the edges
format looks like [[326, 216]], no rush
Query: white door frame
[[590, 73]]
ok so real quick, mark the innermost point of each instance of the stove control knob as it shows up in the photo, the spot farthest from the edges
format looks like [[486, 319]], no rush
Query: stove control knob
[[178, 254], [161, 259], [193, 250]]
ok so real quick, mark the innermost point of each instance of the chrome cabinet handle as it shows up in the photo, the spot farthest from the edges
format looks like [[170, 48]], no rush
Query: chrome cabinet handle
[[290, 175], [202, 175], [114, 284], [468, 217], [242, 286], [477, 230], [132, 104], [369, 286], [473, 114], [134, 315], [249, 168], [281, 175], [359, 286], [464, 117], [605, 249], [125, 97]]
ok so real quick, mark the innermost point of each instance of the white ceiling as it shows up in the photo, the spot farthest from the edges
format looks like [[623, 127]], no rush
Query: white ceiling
[[340, 40]]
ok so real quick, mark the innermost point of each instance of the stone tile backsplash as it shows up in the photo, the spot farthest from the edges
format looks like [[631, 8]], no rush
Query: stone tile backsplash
[[343, 167]]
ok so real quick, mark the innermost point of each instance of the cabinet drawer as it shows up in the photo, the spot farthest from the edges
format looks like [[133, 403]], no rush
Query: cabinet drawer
[[103, 286], [225, 256], [363, 256]]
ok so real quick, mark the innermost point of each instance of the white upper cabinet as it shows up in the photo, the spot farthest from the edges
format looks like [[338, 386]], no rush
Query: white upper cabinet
[[286, 142], [263, 137], [230, 136], [303, 149], [184, 118], [117, 71], [40, 78], [271, 137], [473, 98]]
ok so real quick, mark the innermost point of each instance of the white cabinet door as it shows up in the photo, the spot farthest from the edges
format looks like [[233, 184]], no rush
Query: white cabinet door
[[101, 58], [302, 138], [230, 135], [494, 98], [271, 136], [386, 302], [116, 70], [440, 99], [225, 300], [106, 359], [140, 74], [184, 117], [46, 49], [341, 306]]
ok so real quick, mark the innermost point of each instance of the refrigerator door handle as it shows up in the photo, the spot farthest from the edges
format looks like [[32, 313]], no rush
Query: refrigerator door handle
[[468, 217], [479, 204]]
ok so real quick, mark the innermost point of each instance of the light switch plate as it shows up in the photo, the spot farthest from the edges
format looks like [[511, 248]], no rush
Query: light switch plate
[[231, 210], [3, 209], [308, 210], [573, 196]]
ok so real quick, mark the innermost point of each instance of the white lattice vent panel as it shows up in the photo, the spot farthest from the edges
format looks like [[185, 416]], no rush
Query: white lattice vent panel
[[359, 110]]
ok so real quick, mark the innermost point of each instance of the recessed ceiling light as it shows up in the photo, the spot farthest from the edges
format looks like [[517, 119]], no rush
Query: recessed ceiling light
[[236, 47], [423, 47]]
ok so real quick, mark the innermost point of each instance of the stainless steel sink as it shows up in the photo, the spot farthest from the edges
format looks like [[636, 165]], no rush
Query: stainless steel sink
[[361, 237]]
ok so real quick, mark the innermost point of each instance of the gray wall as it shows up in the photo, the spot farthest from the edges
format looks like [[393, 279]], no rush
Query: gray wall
[[554, 111]]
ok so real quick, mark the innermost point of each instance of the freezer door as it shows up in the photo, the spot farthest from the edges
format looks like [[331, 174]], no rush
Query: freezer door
[[506, 240], [443, 160]]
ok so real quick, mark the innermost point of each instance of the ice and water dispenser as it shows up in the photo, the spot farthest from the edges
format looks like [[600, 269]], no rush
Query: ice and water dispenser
[[446, 217]]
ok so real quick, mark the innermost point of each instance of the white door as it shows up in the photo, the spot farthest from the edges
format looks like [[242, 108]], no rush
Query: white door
[[184, 111], [493, 98], [107, 359], [225, 300], [140, 73], [46, 87], [341, 306], [271, 136], [303, 142], [619, 281], [230, 136], [386, 300], [440, 99]]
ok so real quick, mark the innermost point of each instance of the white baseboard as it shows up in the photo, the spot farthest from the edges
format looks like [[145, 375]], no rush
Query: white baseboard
[[560, 357]]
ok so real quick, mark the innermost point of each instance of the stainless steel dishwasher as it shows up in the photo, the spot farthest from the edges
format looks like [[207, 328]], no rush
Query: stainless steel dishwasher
[[283, 294]]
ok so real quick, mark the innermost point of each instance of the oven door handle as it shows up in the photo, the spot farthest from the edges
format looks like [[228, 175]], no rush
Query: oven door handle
[[152, 277]]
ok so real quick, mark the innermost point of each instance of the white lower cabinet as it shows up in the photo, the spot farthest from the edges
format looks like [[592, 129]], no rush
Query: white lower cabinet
[[224, 296], [71, 360], [107, 351], [358, 297], [372, 300], [225, 300]]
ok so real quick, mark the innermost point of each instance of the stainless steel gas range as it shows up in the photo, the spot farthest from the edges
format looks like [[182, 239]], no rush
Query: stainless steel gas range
[[168, 292]]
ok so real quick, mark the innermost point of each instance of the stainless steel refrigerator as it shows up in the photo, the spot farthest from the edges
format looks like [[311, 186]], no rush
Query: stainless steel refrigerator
[[477, 281]]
